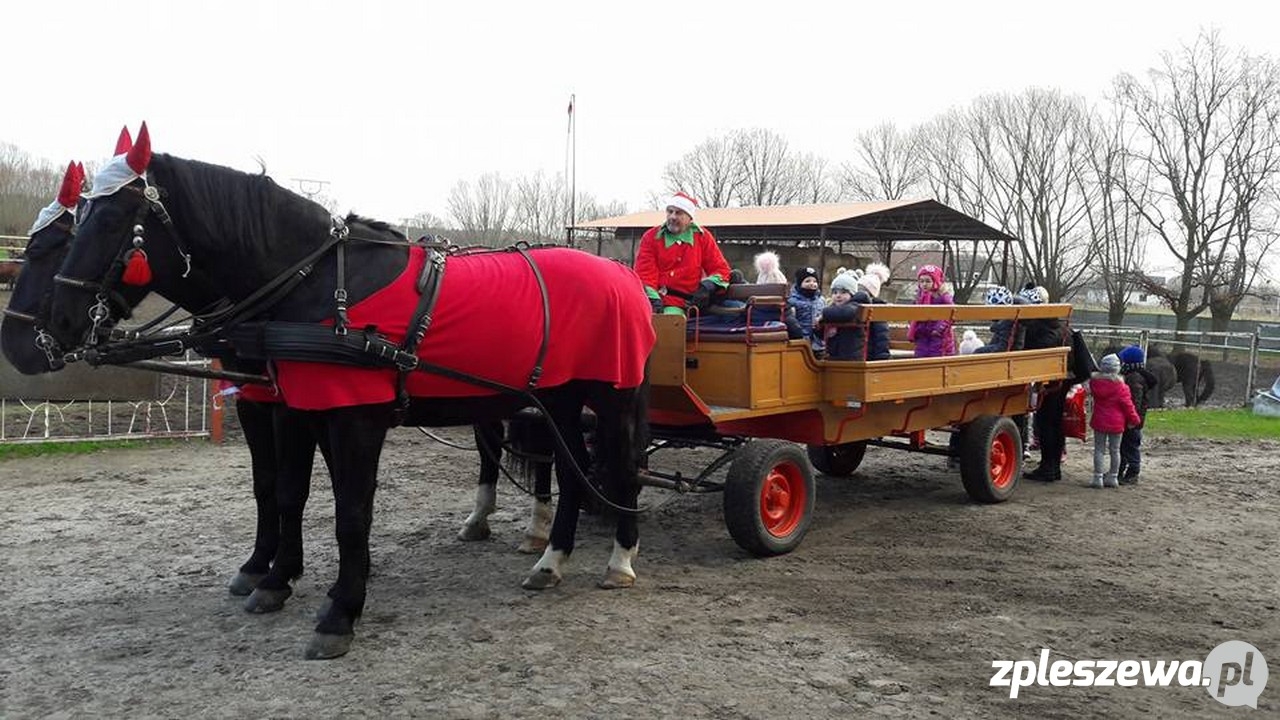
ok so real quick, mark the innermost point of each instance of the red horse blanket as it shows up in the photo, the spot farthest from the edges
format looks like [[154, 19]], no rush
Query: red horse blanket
[[488, 322]]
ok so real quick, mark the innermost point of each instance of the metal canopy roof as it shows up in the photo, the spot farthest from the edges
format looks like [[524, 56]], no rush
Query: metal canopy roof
[[832, 222]]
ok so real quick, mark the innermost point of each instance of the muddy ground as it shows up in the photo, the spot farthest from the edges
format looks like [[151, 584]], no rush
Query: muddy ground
[[115, 604]]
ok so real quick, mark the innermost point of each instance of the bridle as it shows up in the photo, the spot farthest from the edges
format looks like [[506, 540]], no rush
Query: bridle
[[106, 293], [44, 341]]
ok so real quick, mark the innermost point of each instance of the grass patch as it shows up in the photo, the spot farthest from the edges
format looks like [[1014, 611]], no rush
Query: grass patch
[[73, 448], [1225, 424]]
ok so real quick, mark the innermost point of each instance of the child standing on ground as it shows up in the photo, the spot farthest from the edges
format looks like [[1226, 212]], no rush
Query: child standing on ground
[[1113, 413], [1140, 381]]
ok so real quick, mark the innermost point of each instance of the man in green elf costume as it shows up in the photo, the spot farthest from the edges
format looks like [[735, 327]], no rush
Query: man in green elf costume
[[679, 262]]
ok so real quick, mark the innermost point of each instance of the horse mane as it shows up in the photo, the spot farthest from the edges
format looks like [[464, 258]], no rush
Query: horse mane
[[250, 213], [378, 225]]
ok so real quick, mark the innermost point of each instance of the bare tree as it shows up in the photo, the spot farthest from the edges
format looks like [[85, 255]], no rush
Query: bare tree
[[817, 183], [1117, 230], [425, 223], [540, 208], [483, 211], [1033, 149], [887, 165], [1205, 123], [710, 172], [769, 172], [26, 186]]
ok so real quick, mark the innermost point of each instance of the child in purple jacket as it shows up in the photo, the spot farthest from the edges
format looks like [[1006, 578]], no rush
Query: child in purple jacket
[[932, 337]]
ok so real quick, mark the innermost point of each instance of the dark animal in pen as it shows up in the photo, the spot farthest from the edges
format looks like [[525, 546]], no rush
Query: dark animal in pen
[[1193, 373]]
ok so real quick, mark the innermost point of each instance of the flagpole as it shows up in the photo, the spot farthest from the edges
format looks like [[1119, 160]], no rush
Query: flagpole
[[573, 168]]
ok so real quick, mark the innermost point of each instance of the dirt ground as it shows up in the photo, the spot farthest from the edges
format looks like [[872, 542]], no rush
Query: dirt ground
[[904, 592]]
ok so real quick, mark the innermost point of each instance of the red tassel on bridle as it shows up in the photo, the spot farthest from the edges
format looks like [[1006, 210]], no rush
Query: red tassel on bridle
[[137, 271]]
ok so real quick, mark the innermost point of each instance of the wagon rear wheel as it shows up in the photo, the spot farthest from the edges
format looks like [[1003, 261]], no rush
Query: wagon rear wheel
[[840, 460], [768, 497], [990, 458]]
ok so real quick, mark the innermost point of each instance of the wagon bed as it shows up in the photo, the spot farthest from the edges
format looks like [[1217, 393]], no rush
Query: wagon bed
[[756, 394]]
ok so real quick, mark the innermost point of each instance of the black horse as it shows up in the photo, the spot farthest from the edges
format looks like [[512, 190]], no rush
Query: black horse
[[1189, 370], [31, 351], [249, 235]]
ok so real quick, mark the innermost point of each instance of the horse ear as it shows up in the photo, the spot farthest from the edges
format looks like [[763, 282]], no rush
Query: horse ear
[[70, 187], [140, 153], [124, 142]]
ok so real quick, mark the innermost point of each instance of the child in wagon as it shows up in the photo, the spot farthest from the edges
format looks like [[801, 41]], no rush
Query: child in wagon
[[849, 291], [1006, 334], [806, 304], [932, 337], [1113, 413]]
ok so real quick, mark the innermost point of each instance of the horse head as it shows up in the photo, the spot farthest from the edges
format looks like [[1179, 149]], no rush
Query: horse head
[[124, 249], [23, 338]]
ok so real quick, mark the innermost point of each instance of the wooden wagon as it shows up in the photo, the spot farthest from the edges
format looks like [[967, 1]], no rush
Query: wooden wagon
[[759, 396]]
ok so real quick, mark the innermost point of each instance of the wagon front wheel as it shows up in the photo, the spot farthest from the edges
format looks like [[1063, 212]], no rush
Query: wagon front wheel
[[768, 497], [840, 460], [990, 458]]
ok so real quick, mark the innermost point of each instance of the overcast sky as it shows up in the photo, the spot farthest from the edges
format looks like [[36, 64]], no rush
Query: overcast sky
[[392, 103]]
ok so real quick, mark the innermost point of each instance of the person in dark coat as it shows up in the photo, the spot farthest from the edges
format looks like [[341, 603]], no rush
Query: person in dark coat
[[1142, 383], [850, 291], [1007, 334], [805, 304], [1046, 333]]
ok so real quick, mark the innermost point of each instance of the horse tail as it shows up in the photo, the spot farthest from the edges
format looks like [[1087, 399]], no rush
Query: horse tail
[[1206, 381], [531, 445]]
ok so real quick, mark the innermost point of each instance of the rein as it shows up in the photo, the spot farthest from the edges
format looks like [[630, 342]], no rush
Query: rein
[[214, 328]]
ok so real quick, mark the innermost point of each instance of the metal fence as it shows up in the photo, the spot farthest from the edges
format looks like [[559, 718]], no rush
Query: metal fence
[[1254, 355], [179, 407]]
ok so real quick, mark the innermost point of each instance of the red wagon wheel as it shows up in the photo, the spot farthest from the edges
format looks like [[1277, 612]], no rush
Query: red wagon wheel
[[990, 458], [768, 497]]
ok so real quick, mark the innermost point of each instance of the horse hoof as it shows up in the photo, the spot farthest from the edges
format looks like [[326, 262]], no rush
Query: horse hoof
[[532, 545], [540, 580], [244, 583], [617, 580], [471, 533], [266, 601], [325, 647]]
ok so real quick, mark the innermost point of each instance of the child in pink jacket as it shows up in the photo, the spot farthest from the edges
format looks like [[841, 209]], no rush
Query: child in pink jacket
[[1113, 412]]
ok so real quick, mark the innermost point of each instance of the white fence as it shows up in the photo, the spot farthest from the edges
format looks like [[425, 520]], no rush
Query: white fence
[[180, 407]]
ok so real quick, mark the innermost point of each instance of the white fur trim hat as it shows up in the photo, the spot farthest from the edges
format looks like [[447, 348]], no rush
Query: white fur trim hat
[[684, 202], [880, 270], [871, 283]]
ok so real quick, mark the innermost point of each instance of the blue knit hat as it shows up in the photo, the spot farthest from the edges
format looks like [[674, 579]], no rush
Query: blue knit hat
[[1132, 355]]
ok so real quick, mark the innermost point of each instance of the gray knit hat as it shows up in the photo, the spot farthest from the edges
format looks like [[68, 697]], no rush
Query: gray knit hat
[[1109, 364]]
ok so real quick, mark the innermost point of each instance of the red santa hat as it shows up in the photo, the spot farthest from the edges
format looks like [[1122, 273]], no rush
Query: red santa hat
[[682, 201]]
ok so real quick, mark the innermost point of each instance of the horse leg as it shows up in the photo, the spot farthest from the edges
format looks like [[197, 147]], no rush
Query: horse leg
[[549, 569], [255, 420], [355, 436], [621, 436], [489, 444], [294, 455], [539, 531]]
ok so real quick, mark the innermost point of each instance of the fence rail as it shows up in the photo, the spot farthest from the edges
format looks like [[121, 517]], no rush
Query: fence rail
[[180, 407], [1257, 352]]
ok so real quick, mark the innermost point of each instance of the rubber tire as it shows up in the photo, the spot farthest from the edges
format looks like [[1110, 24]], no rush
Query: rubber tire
[[781, 468], [990, 458], [837, 460]]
